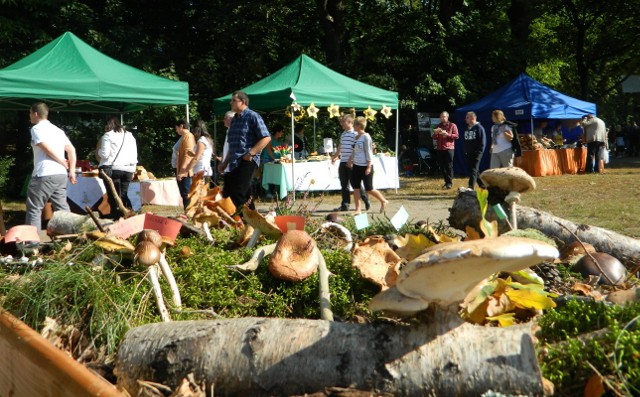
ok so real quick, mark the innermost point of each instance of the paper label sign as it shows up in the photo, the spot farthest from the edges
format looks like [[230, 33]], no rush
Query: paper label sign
[[362, 221], [500, 212], [400, 218]]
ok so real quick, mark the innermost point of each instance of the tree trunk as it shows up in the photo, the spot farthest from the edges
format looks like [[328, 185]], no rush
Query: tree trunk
[[282, 357], [466, 212]]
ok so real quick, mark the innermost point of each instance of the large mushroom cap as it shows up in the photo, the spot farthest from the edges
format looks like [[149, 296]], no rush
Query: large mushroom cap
[[259, 222], [294, 258], [393, 301], [510, 179], [445, 273]]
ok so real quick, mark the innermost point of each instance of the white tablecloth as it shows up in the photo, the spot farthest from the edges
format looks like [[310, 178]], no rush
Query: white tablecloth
[[323, 175], [89, 191]]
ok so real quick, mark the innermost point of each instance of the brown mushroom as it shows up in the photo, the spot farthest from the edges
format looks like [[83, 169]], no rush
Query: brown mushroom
[[445, 273], [261, 225], [294, 256], [513, 180], [153, 236], [148, 254], [376, 261], [150, 235], [610, 270]]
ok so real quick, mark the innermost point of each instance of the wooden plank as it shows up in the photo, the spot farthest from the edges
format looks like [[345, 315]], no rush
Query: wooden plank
[[31, 366]]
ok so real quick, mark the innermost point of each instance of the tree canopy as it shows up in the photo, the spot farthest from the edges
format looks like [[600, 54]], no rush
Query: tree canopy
[[437, 54]]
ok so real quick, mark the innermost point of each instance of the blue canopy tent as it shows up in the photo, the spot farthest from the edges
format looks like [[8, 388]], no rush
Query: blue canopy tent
[[522, 99]]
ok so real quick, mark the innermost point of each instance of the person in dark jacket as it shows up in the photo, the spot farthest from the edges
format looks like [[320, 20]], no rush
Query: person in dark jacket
[[474, 144]]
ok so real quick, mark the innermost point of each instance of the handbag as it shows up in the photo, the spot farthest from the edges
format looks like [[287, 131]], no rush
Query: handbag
[[108, 168]]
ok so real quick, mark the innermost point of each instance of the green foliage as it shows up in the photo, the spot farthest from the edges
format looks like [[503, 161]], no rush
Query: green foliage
[[5, 164], [105, 300], [613, 352], [207, 282]]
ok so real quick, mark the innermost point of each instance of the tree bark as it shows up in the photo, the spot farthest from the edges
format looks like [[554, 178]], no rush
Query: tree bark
[[466, 212], [266, 357]]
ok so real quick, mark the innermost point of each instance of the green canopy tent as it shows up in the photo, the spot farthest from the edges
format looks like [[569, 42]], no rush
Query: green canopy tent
[[70, 75], [307, 81]]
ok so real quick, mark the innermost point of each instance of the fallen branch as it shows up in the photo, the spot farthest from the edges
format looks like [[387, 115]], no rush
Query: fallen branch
[[93, 218], [109, 183]]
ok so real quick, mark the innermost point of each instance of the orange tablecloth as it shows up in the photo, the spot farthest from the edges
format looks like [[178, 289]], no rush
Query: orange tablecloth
[[553, 161]]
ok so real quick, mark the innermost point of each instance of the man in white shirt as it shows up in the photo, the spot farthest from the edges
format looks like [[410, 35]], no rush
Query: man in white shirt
[[50, 168]]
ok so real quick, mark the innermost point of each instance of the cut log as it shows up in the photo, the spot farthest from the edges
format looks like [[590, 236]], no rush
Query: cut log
[[65, 222], [266, 357], [466, 212]]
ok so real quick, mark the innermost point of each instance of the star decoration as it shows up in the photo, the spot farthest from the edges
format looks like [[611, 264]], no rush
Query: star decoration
[[386, 111], [334, 111], [312, 110], [370, 113], [296, 107]]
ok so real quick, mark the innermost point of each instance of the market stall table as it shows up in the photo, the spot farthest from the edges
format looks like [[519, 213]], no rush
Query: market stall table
[[90, 191], [323, 175], [553, 161]]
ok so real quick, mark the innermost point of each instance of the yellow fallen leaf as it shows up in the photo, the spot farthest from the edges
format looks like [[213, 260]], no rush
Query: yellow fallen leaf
[[530, 299], [472, 234], [411, 246], [499, 305], [504, 320]]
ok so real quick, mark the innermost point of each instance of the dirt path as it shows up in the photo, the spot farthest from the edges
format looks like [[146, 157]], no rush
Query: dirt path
[[422, 198]]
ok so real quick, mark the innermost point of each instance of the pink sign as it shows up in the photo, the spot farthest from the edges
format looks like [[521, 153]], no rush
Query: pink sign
[[127, 227]]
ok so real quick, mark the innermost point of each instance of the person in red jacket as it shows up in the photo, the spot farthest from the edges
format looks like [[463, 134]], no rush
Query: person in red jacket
[[445, 135]]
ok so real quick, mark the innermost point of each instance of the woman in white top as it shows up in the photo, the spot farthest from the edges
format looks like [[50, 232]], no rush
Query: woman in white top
[[204, 150], [360, 162], [501, 136], [118, 155]]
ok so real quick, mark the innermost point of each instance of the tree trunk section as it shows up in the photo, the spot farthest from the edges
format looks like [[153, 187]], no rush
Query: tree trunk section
[[282, 357], [466, 212]]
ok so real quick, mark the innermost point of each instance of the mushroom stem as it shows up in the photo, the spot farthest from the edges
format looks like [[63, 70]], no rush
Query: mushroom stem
[[157, 291], [253, 263], [207, 232], [253, 240], [512, 215], [512, 199], [168, 274], [325, 295]]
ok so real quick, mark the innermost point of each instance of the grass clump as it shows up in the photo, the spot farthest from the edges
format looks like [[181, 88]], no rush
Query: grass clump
[[582, 336], [102, 302]]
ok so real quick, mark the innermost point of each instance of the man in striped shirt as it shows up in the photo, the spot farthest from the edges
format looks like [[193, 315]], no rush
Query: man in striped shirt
[[345, 147]]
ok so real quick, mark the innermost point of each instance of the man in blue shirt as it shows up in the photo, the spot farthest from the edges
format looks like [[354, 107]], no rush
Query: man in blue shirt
[[247, 136]]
